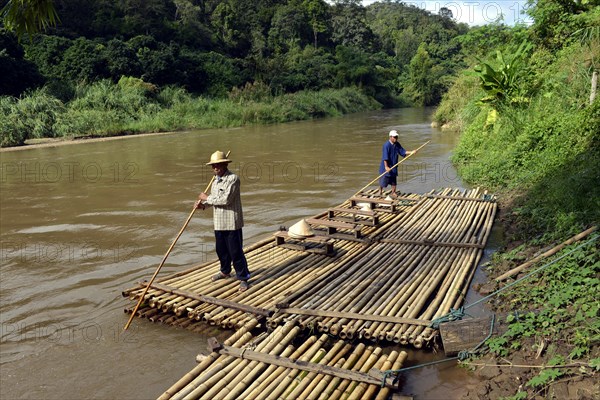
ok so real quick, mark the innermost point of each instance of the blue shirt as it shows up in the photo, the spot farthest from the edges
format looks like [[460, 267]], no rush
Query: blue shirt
[[390, 152]]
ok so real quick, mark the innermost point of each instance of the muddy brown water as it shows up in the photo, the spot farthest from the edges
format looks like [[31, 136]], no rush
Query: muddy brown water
[[81, 223]]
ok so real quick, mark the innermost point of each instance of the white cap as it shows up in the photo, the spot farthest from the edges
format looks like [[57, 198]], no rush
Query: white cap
[[394, 133]]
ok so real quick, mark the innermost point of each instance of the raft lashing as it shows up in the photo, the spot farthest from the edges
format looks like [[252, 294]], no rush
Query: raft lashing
[[376, 271]]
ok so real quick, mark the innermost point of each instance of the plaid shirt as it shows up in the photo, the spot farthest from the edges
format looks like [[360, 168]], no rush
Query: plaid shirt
[[225, 198]]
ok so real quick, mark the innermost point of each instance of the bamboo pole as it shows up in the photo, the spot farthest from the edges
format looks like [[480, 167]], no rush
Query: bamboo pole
[[548, 253]]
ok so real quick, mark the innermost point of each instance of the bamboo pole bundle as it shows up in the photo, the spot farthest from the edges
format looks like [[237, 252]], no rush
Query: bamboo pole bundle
[[410, 280], [229, 291], [330, 357], [463, 211], [454, 292], [426, 285], [231, 385], [193, 378], [288, 378], [216, 375], [346, 387], [338, 385], [356, 389], [337, 360], [264, 296], [348, 364], [471, 261], [271, 376], [396, 301], [370, 295], [406, 336], [390, 304], [385, 392], [202, 278]]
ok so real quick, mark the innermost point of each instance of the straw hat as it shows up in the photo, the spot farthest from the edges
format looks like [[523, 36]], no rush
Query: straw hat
[[218, 157], [300, 229], [386, 205], [364, 206]]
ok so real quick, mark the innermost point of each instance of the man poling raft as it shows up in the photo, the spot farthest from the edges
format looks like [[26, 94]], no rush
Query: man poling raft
[[196, 206], [406, 157], [228, 220]]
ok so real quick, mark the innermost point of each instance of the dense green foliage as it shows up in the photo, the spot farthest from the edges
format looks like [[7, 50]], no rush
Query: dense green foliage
[[528, 126], [210, 47], [394, 53], [133, 106], [530, 133], [566, 319]]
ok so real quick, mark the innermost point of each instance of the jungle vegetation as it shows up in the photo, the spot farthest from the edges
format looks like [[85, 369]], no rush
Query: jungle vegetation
[[143, 52]]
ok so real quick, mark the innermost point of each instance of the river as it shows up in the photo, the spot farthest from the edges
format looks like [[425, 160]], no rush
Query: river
[[80, 223]]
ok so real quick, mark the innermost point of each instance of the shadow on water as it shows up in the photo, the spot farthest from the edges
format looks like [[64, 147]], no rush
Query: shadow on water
[[82, 223]]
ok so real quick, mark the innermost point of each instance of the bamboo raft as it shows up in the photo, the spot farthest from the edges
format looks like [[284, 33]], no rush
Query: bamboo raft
[[386, 279], [281, 365], [381, 274]]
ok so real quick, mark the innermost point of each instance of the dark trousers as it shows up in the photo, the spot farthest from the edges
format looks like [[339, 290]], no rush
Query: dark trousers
[[230, 250]]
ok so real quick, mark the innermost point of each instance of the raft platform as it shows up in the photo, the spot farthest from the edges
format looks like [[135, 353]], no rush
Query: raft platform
[[380, 275]]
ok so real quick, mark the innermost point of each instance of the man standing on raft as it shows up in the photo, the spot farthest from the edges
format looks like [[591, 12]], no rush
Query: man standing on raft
[[390, 152], [228, 220]]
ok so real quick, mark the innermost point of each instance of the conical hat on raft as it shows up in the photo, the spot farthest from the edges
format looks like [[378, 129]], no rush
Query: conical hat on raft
[[300, 229]]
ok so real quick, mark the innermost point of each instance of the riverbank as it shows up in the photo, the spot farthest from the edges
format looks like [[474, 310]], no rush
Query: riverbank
[[551, 350], [131, 106], [54, 142], [538, 151]]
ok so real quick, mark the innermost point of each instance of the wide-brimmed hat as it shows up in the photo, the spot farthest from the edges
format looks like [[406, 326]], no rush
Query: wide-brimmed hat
[[300, 229], [218, 157]]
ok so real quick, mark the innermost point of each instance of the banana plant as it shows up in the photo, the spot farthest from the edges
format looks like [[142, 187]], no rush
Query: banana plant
[[502, 84]]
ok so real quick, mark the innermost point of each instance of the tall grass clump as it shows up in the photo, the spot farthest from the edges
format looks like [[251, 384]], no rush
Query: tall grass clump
[[131, 106], [32, 116], [104, 108], [458, 107]]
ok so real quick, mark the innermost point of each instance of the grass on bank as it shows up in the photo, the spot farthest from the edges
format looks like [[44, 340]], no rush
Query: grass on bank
[[542, 156], [133, 106]]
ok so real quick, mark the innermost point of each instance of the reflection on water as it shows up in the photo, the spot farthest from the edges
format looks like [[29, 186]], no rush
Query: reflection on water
[[81, 223]]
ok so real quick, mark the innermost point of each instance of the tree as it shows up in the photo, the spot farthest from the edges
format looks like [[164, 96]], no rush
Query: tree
[[16, 73], [121, 60], [47, 52], [318, 15], [353, 66], [288, 28], [28, 16], [349, 25], [227, 24], [446, 13], [553, 20], [423, 78], [189, 22], [82, 61]]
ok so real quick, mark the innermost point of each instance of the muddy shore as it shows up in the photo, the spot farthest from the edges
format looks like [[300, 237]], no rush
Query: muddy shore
[[506, 377]]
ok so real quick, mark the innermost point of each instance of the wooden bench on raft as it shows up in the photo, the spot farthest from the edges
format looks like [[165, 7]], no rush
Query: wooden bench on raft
[[381, 205], [372, 218], [333, 226], [303, 244]]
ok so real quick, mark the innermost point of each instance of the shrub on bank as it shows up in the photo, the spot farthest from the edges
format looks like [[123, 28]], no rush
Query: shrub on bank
[[32, 116]]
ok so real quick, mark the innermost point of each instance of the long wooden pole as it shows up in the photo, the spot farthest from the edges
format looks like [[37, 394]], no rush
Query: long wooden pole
[[548, 253], [394, 166], [141, 300]]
